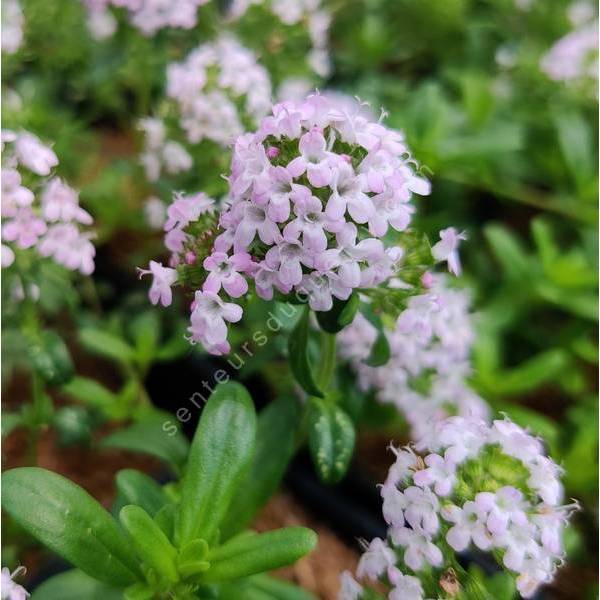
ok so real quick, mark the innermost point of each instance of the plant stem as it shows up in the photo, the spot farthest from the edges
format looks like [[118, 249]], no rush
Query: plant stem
[[328, 356]]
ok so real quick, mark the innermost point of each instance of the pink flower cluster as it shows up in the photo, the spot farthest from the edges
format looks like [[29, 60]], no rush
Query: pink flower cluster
[[430, 343], [149, 16], [313, 192], [210, 84], [161, 154], [437, 496], [53, 225]]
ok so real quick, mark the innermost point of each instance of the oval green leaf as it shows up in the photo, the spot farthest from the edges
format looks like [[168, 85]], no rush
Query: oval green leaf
[[275, 443], [331, 437], [150, 543], [251, 554], [139, 489], [341, 314], [298, 355], [70, 522], [220, 455]]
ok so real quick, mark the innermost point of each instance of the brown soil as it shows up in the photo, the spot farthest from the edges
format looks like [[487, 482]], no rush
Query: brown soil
[[92, 469], [318, 572]]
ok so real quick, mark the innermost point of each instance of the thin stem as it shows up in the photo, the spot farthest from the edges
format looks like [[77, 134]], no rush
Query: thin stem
[[328, 356]]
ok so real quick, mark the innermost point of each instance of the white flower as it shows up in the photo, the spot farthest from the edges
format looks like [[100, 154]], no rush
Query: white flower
[[375, 560], [349, 587], [447, 249], [10, 590], [406, 587], [469, 524], [419, 548]]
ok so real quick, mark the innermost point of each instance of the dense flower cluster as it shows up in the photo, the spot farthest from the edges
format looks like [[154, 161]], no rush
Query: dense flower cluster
[[575, 56], [161, 154], [310, 13], [313, 192], [220, 89], [430, 342], [12, 26], [490, 486], [149, 16], [50, 222]]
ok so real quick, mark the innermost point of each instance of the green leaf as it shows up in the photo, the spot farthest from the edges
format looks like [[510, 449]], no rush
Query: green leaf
[[380, 351], [75, 585], [106, 344], [139, 489], [265, 587], [251, 554], [508, 252], [73, 424], [275, 443], [298, 353], [10, 421], [145, 332], [150, 543], [50, 358], [575, 139], [341, 315], [90, 392], [150, 436], [331, 437], [191, 560], [531, 373], [219, 456], [70, 522]]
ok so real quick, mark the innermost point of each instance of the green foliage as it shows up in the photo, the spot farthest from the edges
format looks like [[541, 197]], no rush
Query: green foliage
[[217, 463], [299, 355], [150, 436], [331, 439], [148, 557]]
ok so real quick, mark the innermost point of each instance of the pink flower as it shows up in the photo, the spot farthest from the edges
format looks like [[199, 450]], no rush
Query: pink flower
[[348, 195], [314, 159], [13, 193], [376, 560], [224, 271], [68, 247], [266, 278], [447, 249], [348, 255], [208, 321], [469, 524], [34, 155], [255, 220], [439, 472], [163, 279], [310, 222], [24, 229], [288, 258], [10, 589], [186, 209], [60, 202], [420, 551]]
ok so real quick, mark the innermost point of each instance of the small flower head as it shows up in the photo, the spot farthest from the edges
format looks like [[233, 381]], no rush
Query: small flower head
[[493, 503]]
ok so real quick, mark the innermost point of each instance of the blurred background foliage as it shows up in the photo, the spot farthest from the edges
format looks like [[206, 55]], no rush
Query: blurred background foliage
[[512, 156]]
